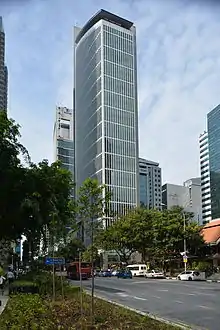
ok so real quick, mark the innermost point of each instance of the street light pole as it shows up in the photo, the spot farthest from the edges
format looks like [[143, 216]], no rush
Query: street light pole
[[184, 239]]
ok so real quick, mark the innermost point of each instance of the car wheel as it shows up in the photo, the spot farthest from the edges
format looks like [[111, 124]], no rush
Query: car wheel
[[190, 279], [179, 278]]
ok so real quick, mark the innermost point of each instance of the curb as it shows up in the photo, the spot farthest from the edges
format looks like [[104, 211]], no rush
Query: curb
[[210, 281], [148, 314]]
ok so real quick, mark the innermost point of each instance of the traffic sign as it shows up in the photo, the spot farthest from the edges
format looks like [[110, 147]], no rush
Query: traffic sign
[[54, 261], [185, 259]]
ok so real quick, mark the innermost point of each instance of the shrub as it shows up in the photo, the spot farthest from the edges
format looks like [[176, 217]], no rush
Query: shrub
[[23, 287], [29, 312]]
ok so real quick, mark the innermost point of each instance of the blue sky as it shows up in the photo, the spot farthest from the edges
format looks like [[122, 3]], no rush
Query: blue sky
[[178, 72]]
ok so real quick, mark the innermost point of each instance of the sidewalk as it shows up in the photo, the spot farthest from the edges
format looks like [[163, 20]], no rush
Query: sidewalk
[[4, 299]]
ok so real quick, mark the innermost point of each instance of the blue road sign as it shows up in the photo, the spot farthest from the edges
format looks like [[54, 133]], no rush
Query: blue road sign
[[54, 261]]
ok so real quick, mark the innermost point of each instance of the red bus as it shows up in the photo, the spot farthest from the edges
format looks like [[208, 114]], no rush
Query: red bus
[[73, 272]]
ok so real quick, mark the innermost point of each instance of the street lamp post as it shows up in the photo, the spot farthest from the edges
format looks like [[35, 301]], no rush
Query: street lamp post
[[184, 239]]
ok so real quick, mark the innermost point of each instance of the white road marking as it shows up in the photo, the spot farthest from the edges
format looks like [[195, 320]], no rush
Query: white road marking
[[205, 294], [139, 298], [156, 297], [204, 307], [139, 282], [122, 294], [163, 290], [178, 302]]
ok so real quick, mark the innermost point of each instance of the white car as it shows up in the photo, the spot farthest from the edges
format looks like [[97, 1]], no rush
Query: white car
[[191, 275], [154, 274]]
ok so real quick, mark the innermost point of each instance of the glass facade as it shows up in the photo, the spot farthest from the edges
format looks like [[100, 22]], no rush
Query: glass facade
[[106, 111], [143, 189], [214, 160]]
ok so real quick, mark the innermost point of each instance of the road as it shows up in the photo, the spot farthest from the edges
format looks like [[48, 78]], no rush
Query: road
[[193, 303]]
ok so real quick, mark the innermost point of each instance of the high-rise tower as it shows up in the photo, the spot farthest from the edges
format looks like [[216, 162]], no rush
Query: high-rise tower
[[213, 123], [3, 71], [106, 107], [205, 178], [64, 139]]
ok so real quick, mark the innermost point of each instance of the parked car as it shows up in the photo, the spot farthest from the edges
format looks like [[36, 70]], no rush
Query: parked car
[[191, 275], [124, 273], [115, 272], [154, 274], [105, 273]]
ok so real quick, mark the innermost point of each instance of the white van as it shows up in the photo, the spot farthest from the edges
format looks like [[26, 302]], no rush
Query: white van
[[137, 269]]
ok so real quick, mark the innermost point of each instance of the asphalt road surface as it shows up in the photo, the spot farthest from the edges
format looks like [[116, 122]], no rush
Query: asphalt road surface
[[193, 303]]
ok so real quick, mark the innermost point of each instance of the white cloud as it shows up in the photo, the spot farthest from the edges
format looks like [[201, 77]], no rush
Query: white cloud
[[178, 62]]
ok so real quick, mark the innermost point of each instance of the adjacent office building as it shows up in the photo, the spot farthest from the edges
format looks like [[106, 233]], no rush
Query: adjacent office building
[[213, 123], [3, 71], [150, 184], [205, 177], [106, 108], [187, 196], [64, 139]]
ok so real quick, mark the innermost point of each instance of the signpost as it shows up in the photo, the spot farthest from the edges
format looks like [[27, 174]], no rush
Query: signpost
[[54, 261]]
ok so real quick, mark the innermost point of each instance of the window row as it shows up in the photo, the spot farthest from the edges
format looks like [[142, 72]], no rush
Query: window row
[[117, 32], [118, 86], [119, 116], [66, 160], [115, 56], [122, 179], [120, 147], [119, 132], [120, 163], [117, 42], [124, 195], [118, 71], [65, 152], [119, 101]]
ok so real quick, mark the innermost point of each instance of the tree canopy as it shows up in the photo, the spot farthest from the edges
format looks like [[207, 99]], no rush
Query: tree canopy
[[157, 235], [34, 198]]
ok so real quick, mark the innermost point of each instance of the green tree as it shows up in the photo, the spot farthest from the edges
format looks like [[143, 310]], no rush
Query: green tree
[[93, 206], [87, 254], [117, 237], [70, 250], [11, 177], [47, 208], [169, 235]]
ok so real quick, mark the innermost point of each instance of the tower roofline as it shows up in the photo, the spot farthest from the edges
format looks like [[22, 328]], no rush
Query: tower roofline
[[107, 16]]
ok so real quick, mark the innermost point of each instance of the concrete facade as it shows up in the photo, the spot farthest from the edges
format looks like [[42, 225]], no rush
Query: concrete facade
[[150, 184], [187, 196]]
